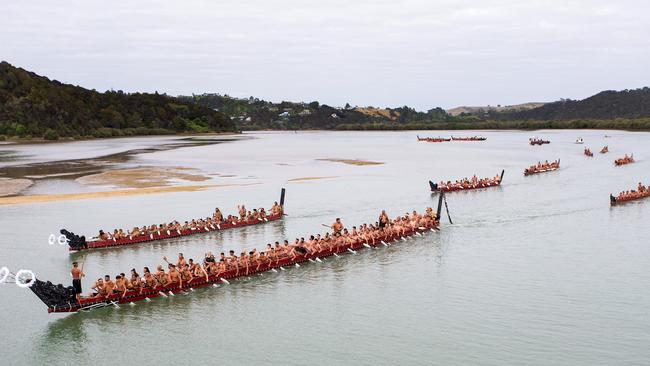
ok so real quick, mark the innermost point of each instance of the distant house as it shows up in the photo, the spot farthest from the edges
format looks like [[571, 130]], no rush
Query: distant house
[[304, 112], [334, 115], [285, 114]]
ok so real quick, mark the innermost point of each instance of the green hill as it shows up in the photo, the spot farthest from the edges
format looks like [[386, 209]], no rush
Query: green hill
[[35, 106]]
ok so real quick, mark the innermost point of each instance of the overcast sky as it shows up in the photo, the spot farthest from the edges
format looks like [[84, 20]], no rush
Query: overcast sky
[[381, 53]]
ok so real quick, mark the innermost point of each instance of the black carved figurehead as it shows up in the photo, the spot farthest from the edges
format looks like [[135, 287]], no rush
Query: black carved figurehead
[[75, 242], [54, 296]]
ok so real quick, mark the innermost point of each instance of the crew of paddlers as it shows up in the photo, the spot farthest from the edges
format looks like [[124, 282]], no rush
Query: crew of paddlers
[[184, 271], [194, 224], [542, 167], [604, 150], [536, 141], [640, 192], [624, 160], [433, 139], [588, 152], [469, 183]]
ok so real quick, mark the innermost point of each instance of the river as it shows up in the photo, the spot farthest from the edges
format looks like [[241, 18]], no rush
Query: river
[[538, 271]]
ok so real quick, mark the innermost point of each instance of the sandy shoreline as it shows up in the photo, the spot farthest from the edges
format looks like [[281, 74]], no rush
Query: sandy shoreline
[[9, 186], [357, 162], [142, 177], [41, 198]]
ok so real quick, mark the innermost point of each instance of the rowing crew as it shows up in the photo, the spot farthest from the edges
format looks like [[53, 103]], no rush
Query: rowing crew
[[640, 192], [542, 167], [196, 224], [473, 182], [604, 150], [588, 152], [537, 141], [184, 272], [624, 160]]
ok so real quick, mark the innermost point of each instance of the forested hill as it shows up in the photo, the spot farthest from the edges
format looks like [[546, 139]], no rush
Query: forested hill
[[35, 106], [606, 105]]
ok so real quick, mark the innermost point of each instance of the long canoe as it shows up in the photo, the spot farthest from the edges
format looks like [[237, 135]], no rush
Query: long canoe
[[78, 243], [433, 139], [474, 138], [530, 172], [60, 299], [616, 201], [435, 187]]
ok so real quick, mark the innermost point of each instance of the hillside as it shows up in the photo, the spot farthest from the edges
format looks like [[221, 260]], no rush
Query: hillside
[[35, 106], [478, 110], [606, 105], [253, 113]]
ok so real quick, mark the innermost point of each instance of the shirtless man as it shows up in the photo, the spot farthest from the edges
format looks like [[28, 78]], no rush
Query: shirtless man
[[120, 285], [109, 286], [218, 216], [98, 287], [136, 282], [77, 274], [242, 212], [175, 276], [337, 226], [161, 276], [181, 261], [383, 220]]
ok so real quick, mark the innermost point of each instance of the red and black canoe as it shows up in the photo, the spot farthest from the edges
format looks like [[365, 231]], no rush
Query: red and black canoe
[[435, 187], [555, 166], [433, 139], [60, 299], [615, 201], [624, 161], [78, 243], [473, 138], [538, 141]]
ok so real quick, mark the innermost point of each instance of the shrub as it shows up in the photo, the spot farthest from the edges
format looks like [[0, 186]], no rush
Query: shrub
[[51, 135]]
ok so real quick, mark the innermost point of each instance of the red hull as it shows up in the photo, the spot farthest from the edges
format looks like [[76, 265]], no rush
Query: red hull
[[174, 234], [624, 200], [453, 189], [433, 139], [136, 295], [469, 138], [528, 172]]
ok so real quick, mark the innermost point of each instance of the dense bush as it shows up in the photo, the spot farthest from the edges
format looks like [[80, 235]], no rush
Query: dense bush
[[33, 105]]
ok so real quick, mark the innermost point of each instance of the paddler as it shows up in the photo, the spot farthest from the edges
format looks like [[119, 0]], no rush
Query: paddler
[[77, 274], [242, 212], [383, 220], [337, 226]]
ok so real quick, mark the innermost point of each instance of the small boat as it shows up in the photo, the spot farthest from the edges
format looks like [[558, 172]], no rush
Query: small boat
[[632, 195], [624, 160], [536, 141], [604, 150], [579, 141], [534, 170], [473, 138], [433, 139], [78, 243], [483, 183], [589, 153], [61, 299]]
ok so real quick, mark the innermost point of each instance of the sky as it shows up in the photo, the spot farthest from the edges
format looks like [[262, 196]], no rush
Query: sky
[[380, 53]]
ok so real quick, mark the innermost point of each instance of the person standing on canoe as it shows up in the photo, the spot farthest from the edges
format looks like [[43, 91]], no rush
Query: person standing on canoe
[[77, 274], [383, 220], [337, 226], [242, 212]]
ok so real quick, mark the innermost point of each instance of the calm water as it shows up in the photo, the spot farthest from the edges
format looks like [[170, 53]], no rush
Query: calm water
[[539, 271]]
